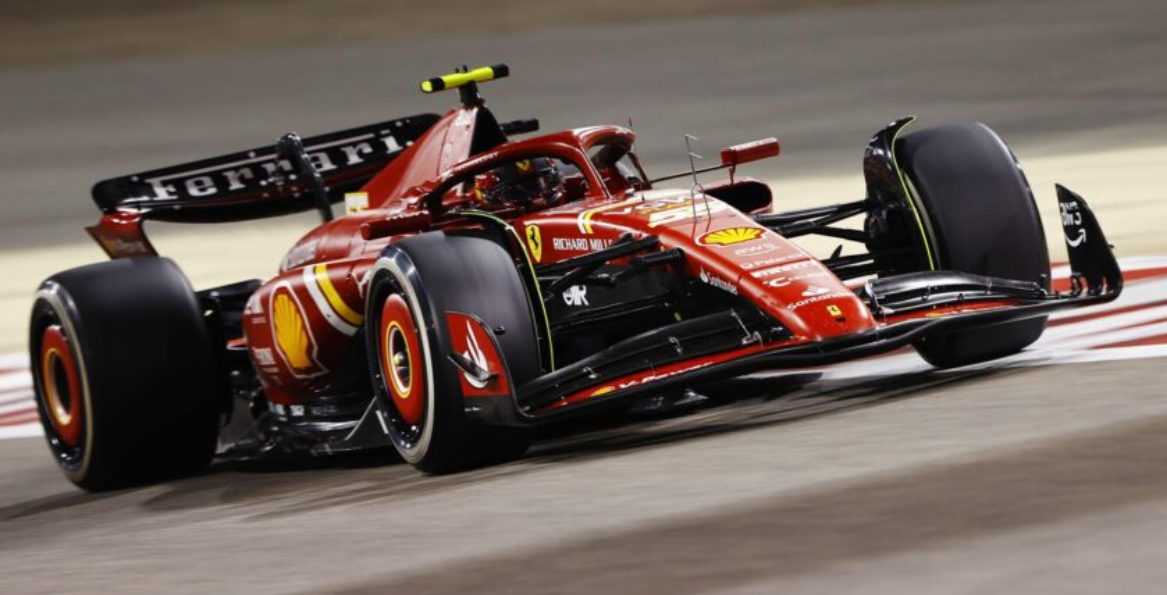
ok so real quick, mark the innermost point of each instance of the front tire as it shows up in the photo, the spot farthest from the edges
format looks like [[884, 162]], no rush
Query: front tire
[[124, 373], [412, 287], [979, 217]]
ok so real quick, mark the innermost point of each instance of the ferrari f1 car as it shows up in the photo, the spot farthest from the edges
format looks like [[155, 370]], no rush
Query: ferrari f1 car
[[480, 284]]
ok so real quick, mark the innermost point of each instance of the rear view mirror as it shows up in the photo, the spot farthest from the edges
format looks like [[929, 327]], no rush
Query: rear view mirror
[[751, 151]]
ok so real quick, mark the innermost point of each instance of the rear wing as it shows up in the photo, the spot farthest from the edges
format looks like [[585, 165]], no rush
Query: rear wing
[[254, 184]]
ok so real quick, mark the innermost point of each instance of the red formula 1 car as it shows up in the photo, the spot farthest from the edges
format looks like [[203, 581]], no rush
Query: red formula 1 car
[[480, 285]]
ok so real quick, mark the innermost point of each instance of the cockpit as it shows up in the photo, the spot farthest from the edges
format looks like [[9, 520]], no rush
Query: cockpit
[[547, 172]]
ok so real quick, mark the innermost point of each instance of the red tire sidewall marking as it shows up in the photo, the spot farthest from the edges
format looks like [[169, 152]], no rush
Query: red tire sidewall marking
[[408, 397], [66, 420]]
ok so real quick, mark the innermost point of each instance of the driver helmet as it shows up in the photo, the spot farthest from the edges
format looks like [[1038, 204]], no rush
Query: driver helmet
[[521, 183]]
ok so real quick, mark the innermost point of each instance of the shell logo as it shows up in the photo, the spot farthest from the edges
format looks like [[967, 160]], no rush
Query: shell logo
[[293, 338], [730, 236]]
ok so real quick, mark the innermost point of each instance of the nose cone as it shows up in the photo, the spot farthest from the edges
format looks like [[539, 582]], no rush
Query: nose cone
[[729, 251], [735, 254], [808, 298]]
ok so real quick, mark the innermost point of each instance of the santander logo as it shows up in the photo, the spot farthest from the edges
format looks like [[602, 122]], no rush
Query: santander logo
[[715, 281]]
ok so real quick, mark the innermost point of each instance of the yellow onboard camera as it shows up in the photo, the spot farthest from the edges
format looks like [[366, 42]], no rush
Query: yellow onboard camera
[[458, 79]]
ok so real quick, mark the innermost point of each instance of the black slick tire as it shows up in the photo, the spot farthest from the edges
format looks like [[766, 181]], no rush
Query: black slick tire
[[414, 284], [125, 373], [979, 217]]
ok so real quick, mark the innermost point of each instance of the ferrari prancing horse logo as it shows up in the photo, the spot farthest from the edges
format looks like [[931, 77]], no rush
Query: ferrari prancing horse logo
[[535, 242]]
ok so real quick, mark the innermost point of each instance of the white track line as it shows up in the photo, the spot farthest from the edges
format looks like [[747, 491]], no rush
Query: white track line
[[14, 361], [1116, 336], [1071, 332], [29, 430], [23, 405], [15, 380], [20, 397]]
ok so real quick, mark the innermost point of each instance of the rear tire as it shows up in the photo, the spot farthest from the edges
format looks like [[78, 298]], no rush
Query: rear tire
[[413, 285], [980, 217], [125, 374]]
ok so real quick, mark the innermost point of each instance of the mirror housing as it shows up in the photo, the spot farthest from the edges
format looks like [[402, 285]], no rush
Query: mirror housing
[[751, 151]]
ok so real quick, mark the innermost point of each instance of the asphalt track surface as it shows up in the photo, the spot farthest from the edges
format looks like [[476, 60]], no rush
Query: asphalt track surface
[[1028, 478]]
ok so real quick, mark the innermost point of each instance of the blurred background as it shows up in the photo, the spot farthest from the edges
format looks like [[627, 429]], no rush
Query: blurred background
[[92, 89]]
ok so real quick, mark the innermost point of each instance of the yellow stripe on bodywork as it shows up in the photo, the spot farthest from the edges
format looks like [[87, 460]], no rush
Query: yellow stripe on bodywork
[[348, 314], [584, 219]]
